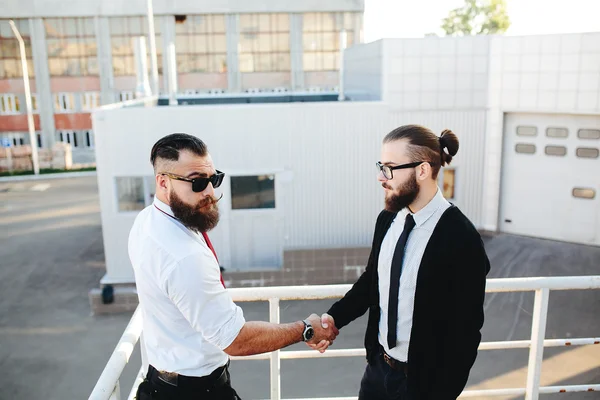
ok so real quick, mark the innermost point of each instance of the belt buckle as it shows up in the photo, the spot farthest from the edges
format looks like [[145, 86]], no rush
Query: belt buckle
[[170, 378], [389, 360]]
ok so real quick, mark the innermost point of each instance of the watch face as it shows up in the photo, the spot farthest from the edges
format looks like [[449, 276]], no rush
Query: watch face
[[310, 332]]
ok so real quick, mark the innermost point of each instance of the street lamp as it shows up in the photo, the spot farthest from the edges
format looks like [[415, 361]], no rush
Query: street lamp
[[30, 124]]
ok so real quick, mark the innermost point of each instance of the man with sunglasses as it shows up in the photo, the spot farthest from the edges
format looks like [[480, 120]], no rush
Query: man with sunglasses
[[424, 284], [191, 325]]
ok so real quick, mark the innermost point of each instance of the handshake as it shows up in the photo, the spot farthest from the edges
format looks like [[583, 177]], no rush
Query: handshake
[[325, 332]]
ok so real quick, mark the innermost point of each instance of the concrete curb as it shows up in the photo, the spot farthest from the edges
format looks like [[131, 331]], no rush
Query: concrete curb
[[43, 177]]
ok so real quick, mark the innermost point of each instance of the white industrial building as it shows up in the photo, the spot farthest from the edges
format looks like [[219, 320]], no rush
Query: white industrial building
[[526, 111]]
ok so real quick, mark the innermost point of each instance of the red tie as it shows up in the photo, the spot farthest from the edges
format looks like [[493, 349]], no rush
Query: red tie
[[213, 250]]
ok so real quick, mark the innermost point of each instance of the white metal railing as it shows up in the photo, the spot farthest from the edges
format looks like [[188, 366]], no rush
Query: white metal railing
[[108, 385]]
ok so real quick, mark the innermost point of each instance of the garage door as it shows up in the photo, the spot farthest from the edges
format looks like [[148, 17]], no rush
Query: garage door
[[551, 177]]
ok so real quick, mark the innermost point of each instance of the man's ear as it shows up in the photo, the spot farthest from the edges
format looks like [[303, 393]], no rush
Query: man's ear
[[161, 183], [424, 171]]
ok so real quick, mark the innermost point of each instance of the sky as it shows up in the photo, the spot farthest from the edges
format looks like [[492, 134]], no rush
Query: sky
[[415, 18]]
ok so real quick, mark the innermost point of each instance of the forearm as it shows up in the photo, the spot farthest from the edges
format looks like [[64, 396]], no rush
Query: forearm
[[258, 337], [354, 303]]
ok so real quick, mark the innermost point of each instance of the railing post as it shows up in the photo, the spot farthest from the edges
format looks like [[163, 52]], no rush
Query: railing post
[[275, 360], [116, 394], [536, 352]]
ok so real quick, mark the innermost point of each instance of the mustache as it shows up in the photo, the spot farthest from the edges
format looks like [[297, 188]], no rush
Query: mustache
[[209, 201], [386, 186]]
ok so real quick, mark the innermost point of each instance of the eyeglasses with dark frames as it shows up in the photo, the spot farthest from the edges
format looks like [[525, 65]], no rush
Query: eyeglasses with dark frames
[[386, 170], [198, 184]]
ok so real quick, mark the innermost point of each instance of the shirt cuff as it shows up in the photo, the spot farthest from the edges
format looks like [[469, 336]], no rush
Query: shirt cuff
[[231, 329]]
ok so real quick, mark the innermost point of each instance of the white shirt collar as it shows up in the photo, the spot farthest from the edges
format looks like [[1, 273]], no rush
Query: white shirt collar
[[163, 207], [166, 209], [426, 212]]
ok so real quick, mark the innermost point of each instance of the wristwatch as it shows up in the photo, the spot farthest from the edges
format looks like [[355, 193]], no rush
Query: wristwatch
[[309, 332]]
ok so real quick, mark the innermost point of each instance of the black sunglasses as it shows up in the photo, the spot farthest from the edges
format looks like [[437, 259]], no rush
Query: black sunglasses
[[387, 170], [199, 184]]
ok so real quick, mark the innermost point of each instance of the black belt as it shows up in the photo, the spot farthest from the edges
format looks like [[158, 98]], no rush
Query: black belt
[[395, 364], [217, 378]]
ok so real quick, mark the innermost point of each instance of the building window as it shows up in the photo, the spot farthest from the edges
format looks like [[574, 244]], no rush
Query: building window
[[122, 31], [10, 55], [90, 101], [201, 43], [130, 193], [264, 43], [525, 148], [556, 150], [448, 181], [587, 152], [88, 138], [256, 191], [64, 102], [71, 46], [34, 103], [584, 193], [9, 104], [68, 137], [557, 132], [126, 95], [321, 39], [526, 131], [589, 134]]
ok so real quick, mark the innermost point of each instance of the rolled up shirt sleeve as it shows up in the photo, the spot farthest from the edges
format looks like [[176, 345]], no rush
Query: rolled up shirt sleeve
[[195, 287]]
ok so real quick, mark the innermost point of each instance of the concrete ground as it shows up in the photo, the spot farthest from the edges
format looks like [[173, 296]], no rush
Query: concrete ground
[[51, 254]]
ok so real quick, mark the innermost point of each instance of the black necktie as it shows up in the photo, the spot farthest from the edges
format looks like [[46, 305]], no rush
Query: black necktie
[[395, 273]]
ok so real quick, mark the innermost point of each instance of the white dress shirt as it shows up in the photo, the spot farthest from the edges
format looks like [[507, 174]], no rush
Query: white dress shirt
[[425, 221], [188, 316]]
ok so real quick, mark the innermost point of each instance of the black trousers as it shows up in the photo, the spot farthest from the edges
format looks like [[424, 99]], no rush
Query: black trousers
[[381, 382], [216, 386]]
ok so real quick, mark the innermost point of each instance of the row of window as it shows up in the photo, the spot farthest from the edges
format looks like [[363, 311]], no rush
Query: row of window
[[558, 132], [9, 139], [69, 102], [12, 104], [64, 102], [552, 150], [200, 43], [77, 139]]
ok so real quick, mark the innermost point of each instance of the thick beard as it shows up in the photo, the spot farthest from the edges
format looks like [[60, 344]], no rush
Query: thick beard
[[193, 217], [404, 196]]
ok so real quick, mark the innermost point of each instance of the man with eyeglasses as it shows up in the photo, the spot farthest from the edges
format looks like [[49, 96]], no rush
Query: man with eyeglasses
[[191, 325], [424, 284]]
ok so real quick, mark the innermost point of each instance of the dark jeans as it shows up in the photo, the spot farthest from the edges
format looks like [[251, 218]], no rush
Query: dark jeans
[[381, 382], [216, 386]]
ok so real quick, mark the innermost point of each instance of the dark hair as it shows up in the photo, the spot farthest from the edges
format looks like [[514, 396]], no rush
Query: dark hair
[[424, 145], [168, 147]]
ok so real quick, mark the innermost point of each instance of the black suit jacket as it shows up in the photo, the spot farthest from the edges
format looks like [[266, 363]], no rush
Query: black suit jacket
[[448, 311]]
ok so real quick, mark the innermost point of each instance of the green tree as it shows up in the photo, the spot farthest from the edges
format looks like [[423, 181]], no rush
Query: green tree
[[477, 17]]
